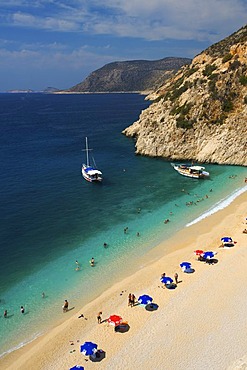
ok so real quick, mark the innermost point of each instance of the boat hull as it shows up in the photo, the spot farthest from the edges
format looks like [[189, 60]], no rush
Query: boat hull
[[190, 171], [90, 174]]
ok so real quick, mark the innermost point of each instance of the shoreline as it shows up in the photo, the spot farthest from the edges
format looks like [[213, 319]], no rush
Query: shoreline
[[54, 347]]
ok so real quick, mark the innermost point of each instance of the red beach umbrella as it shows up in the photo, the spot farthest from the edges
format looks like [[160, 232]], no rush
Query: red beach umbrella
[[199, 252], [114, 320]]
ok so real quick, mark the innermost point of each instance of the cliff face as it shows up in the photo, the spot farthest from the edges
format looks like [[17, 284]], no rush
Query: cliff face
[[136, 75], [200, 113]]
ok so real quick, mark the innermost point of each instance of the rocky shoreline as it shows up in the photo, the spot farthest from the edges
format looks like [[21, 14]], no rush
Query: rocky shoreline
[[200, 113]]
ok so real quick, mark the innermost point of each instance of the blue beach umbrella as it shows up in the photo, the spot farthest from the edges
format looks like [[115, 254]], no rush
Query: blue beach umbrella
[[208, 255], [166, 280], [145, 299], [77, 367], [185, 265], [226, 239], [89, 348]]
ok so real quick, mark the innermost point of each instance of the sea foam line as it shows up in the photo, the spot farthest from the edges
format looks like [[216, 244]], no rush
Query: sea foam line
[[223, 203], [20, 345]]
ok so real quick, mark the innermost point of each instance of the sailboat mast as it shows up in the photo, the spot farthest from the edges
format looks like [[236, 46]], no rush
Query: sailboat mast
[[87, 152]]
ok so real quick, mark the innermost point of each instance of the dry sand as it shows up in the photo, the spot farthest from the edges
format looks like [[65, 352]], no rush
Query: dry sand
[[202, 324]]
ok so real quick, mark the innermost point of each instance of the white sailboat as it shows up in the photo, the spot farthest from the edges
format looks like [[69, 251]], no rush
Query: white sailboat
[[196, 172], [89, 172]]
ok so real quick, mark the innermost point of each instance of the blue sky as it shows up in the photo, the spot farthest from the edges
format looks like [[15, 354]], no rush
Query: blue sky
[[59, 42]]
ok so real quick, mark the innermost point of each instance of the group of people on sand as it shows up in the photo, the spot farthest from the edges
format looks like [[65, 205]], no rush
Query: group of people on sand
[[131, 299]]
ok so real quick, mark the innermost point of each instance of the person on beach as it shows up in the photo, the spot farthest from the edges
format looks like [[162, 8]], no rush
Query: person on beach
[[92, 262], [99, 317], [5, 314], [163, 275], [129, 299], [133, 299], [176, 278], [22, 309], [65, 305]]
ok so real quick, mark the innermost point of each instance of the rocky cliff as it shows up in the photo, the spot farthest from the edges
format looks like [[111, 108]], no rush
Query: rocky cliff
[[130, 76], [200, 113]]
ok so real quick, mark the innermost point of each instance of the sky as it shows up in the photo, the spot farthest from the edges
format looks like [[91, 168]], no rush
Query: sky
[[58, 43]]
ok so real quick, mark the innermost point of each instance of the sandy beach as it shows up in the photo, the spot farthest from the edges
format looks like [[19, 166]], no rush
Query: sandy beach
[[201, 324]]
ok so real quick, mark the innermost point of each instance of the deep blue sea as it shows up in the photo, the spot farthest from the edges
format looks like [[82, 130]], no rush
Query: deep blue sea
[[51, 217]]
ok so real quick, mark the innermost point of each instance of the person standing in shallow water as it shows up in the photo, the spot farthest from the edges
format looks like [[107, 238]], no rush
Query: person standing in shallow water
[[22, 309], [5, 314], [65, 305]]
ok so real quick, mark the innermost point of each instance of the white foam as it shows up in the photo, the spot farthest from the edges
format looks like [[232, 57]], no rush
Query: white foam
[[20, 345], [223, 203]]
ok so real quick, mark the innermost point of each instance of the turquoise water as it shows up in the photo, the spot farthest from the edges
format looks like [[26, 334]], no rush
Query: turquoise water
[[52, 217]]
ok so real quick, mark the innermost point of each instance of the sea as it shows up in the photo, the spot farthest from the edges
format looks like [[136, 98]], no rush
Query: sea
[[51, 217]]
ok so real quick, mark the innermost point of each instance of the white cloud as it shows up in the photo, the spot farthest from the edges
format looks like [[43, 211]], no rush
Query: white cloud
[[159, 19], [208, 20], [38, 56], [48, 23]]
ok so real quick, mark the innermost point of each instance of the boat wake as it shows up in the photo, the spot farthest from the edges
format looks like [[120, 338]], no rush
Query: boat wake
[[223, 203]]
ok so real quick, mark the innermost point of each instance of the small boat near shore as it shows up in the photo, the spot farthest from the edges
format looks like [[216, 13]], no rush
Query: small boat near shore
[[195, 172], [89, 172]]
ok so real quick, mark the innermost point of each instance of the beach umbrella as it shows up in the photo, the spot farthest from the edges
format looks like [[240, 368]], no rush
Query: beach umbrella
[[145, 299], [89, 348], [199, 252], [77, 367], [166, 280], [114, 320], [185, 265], [208, 255], [226, 239]]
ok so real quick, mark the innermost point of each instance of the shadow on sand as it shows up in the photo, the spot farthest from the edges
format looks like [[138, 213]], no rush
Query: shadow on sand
[[212, 261], [122, 328], [99, 356], [171, 286], [151, 307]]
